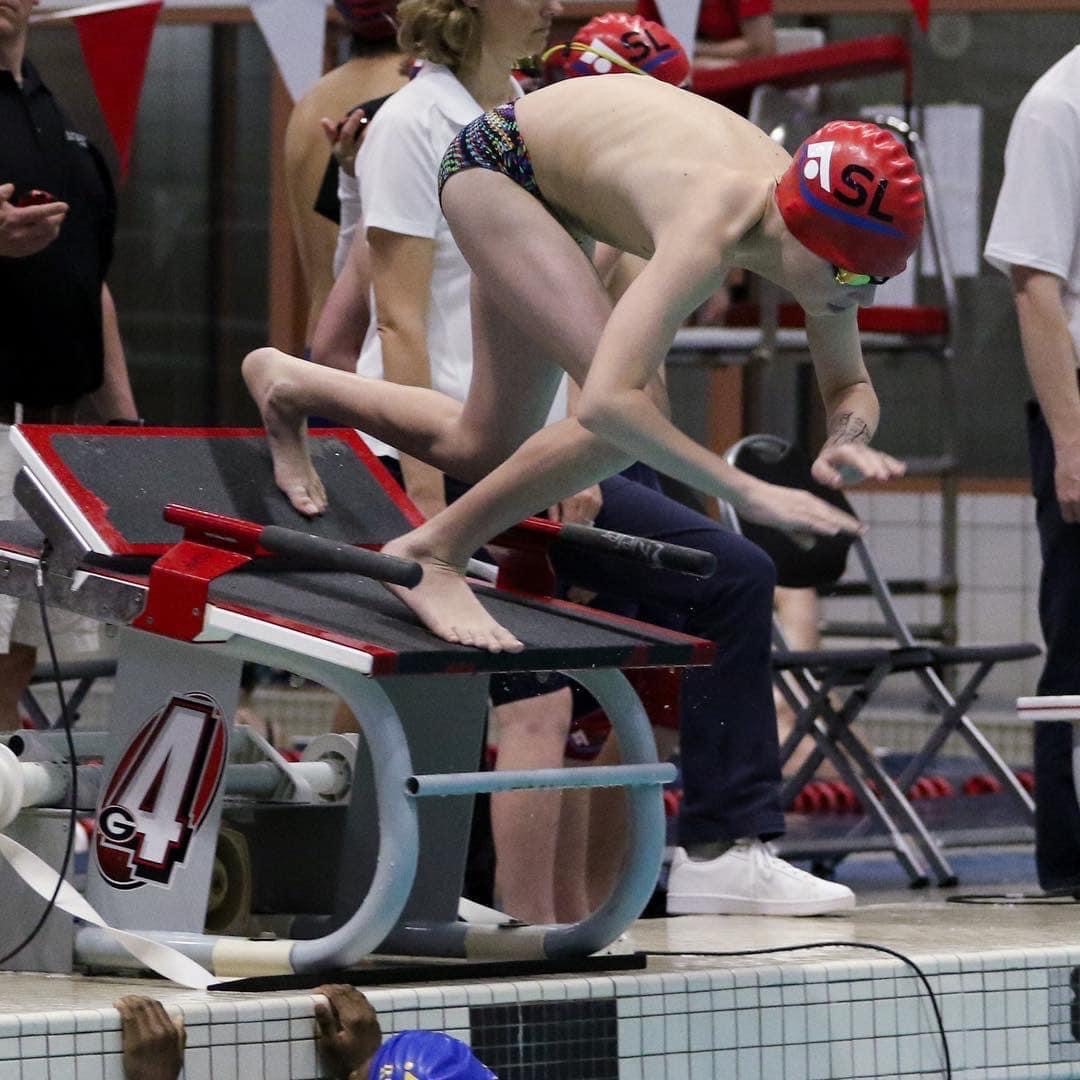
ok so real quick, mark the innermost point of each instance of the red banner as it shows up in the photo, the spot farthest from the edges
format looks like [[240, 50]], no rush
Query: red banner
[[116, 45]]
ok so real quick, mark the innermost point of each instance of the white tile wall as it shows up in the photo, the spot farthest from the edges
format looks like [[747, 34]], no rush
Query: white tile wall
[[1006, 1013]]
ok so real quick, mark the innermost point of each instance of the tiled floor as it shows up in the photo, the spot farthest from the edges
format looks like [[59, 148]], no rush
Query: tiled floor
[[1004, 975]]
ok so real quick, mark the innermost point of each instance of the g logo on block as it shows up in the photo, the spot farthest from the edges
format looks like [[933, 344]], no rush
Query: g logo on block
[[161, 792]]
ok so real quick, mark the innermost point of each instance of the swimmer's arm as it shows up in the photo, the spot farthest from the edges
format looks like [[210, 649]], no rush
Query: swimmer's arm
[[842, 377], [401, 272], [606, 259], [614, 402], [616, 406], [618, 270], [851, 404]]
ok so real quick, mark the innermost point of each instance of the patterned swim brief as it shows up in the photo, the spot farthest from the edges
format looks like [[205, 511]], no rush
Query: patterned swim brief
[[492, 141]]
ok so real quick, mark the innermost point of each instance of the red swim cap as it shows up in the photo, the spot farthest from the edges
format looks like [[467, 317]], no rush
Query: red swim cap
[[614, 43], [372, 20], [853, 196]]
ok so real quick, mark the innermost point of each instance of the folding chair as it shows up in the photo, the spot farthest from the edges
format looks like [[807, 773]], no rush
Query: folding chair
[[806, 679], [83, 672]]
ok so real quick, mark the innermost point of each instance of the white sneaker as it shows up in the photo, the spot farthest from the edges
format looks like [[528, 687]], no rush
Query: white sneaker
[[748, 879]]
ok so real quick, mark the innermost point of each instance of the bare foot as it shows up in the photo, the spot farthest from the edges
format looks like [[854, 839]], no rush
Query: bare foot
[[269, 377], [445, 604]]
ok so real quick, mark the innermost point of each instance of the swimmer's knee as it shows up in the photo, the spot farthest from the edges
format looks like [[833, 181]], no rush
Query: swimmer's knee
[[599, 416], [470, 455]]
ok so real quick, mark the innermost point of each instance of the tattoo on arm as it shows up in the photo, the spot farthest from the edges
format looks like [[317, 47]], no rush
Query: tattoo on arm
[[848, 428]]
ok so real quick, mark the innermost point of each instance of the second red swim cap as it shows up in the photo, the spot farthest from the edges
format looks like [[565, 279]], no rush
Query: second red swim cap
[[616, 42], [371, 20], [853, 195]]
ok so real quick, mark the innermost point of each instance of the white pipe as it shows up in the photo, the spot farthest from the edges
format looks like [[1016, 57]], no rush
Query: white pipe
[[44, 784]]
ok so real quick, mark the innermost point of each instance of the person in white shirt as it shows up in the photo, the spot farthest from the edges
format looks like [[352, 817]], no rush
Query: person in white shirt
[[420, 335], [1035, 240]]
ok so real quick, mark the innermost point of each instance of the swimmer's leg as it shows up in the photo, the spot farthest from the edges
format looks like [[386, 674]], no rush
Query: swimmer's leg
[[287, 390], [421, 422], [538, 308]]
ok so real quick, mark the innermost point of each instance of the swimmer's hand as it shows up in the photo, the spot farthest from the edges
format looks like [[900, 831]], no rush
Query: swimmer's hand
[[153, 1043], [793, 511], [347, 1030], [345, 137], [846, 464]]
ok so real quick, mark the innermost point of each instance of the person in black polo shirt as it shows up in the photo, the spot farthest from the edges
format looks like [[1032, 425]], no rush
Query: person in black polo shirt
[[59, 340]]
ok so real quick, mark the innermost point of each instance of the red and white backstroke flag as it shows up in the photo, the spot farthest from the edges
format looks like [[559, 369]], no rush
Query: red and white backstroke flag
[[116, 44], [681, 18], [295, 33]]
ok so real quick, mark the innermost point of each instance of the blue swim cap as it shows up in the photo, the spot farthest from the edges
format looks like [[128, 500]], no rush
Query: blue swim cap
[[427, 1055]]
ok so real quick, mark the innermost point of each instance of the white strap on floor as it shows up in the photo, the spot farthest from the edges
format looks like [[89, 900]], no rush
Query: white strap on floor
[[163, 959], [471, 912]]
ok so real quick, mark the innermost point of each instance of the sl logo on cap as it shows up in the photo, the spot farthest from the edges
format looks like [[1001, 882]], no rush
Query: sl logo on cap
[[817, 166], [818, 160]]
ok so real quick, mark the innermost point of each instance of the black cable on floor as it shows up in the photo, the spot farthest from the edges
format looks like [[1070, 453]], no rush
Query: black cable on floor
[[65, 719], [832, 945], [1052, 897]]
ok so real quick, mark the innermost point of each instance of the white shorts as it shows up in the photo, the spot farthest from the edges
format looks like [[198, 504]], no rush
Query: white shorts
[[20, 620]]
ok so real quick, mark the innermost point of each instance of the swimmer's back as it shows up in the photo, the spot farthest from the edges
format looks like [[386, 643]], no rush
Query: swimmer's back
[[624, 154]]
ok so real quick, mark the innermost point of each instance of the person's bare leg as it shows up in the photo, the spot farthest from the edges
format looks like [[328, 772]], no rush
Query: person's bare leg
[[524, 824], [344, 720], [531, 315], [607, 829], [571, 855], [16, 669], [798, 613], [607, 818], [287, 390]]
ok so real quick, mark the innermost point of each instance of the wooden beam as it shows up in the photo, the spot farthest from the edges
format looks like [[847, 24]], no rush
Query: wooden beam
[[578, 11], [288, 306], [939, 7]]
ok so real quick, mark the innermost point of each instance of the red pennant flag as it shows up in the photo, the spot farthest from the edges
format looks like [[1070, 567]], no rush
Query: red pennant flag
[[922, 13], [116, 45]]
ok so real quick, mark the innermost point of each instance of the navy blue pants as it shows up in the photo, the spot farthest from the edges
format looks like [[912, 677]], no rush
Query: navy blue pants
[[729, 751], [1057, 817]]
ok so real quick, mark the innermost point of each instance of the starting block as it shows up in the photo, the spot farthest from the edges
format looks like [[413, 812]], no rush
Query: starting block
[[180, 538]]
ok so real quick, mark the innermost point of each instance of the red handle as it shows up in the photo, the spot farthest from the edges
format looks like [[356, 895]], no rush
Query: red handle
[[202, 525]]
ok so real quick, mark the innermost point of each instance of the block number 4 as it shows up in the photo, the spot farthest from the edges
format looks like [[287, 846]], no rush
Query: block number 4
[[161, 792]]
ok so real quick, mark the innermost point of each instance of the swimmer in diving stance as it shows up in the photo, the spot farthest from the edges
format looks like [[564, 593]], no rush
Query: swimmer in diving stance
[[687, 185]]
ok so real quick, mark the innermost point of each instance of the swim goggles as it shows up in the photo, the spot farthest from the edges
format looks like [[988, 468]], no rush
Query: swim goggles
[[597, 50], [850, 277]]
